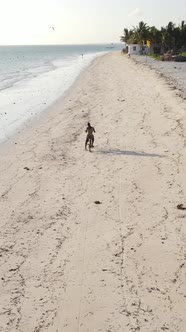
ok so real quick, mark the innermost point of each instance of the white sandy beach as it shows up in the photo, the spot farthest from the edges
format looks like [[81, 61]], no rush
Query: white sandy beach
[[70, 265]]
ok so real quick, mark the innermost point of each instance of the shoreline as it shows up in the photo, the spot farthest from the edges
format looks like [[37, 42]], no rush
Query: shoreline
[[70, 264], [37, 120], [25, 101]]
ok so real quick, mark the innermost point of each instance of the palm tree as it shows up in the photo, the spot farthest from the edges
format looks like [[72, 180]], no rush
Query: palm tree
[[141, 33], [127, 34], [171, 37], [154, 35], [166, 39], [170, 27], [183, 34], [183, 25]]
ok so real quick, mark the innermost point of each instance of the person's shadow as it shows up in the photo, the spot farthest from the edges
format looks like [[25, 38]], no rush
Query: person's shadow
[[117, 152]]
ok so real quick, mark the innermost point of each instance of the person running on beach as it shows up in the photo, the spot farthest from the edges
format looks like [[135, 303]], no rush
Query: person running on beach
[[90, 136]]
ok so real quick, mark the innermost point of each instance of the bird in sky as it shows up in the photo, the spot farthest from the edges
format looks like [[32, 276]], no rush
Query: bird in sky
[[52, 28]]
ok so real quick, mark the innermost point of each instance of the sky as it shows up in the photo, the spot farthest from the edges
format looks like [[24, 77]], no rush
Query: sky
[[28, 22]]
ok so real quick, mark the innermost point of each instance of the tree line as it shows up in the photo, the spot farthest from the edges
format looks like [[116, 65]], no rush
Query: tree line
[[171, 37]]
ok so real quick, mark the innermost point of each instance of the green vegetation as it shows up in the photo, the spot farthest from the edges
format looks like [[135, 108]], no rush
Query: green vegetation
[[156, 57], [171, 38]]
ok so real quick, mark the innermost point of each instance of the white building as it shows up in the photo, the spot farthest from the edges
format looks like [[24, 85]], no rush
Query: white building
[[137, 49], [134, 49]]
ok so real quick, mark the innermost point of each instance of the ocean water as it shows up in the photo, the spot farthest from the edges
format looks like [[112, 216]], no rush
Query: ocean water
[[33, 77]]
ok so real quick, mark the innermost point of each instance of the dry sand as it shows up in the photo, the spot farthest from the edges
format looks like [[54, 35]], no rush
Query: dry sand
[[174, 72], [70, 265]]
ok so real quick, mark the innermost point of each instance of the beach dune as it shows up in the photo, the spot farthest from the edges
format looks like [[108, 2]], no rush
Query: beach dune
[[68, 264]]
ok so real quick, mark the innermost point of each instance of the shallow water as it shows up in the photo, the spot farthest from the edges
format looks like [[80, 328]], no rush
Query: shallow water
[[33, 77]]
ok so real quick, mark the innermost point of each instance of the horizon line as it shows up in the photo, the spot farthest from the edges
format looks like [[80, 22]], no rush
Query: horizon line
[[104, 43]]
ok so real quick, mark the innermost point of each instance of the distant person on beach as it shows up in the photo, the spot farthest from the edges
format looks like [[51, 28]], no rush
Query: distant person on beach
[[90, 136], [82, 55]]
